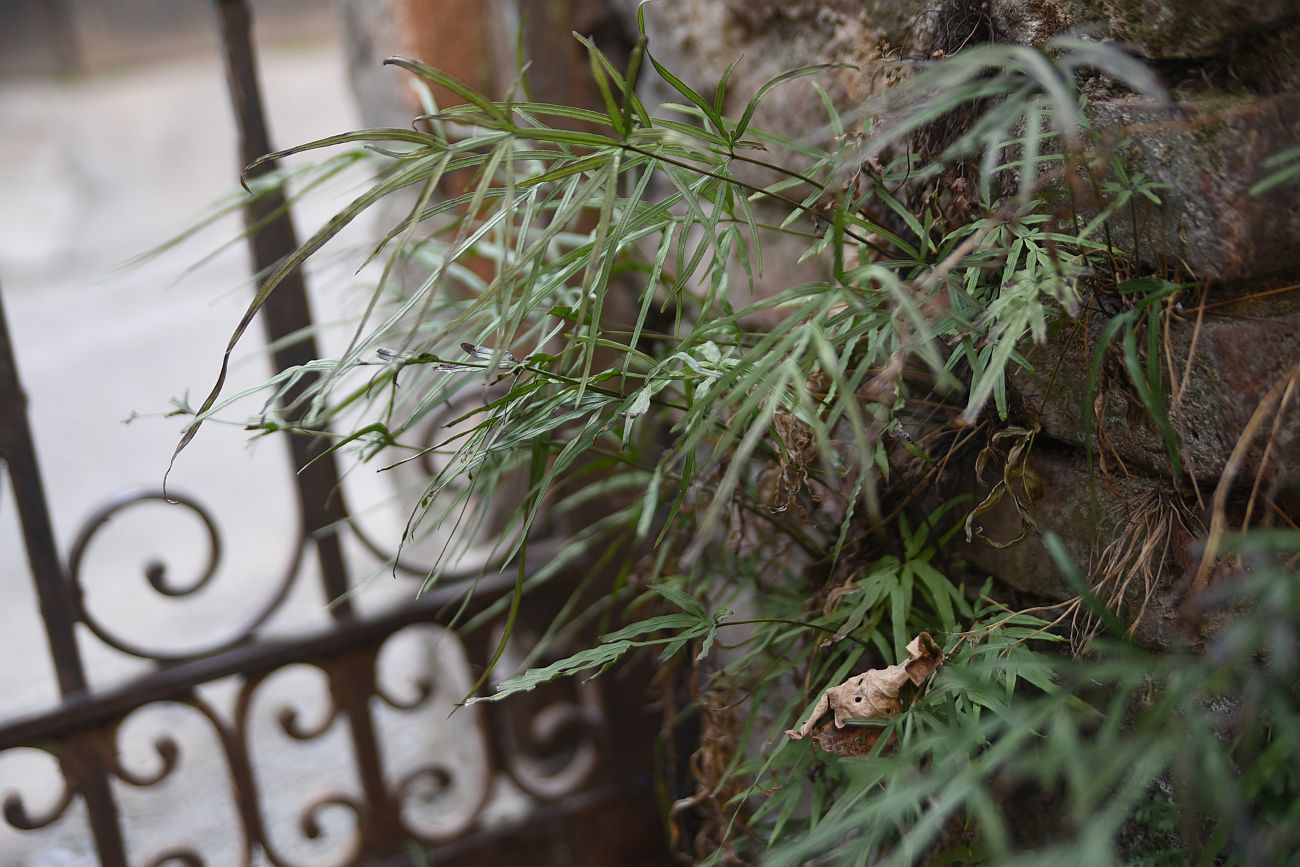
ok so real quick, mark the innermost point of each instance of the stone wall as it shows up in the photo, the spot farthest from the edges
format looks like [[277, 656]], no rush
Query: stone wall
[[1233, 70]]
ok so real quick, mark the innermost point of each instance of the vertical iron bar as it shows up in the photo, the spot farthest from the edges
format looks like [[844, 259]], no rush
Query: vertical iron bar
[[287, 311], [58, 610], [320, 497], [81, 760], [352, 684]]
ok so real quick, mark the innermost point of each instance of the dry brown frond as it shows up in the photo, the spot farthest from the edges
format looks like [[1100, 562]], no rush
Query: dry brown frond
[[1138, 560]]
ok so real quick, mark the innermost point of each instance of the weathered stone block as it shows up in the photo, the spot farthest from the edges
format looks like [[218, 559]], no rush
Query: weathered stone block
[[1207, 151], [1127, 529], [1209, 154], [1242, 349]]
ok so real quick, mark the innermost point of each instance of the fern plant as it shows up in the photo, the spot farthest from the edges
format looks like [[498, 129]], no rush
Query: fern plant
[[590, 305]]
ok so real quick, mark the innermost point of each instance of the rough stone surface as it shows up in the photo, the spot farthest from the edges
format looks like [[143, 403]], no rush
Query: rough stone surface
[[1188, 28], [1243, 348], [1233, 77], [698, 39], [1209, 153], [1032, 22], [1207, 147]]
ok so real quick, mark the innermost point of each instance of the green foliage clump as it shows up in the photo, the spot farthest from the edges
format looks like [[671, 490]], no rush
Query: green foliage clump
[[590, 304]]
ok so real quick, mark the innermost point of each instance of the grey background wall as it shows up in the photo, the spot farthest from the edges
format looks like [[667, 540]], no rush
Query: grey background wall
[[43, 37]]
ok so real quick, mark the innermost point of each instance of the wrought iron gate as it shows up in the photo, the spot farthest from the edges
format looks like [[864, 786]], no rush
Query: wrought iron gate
[[601, 814]]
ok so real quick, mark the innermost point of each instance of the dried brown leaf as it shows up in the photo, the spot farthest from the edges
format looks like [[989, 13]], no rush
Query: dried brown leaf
[[874, 694]]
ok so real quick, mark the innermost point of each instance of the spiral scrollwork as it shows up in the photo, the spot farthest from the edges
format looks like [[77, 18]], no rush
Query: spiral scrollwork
[[20, 816], [429, 786], [428, 783], [290, 722], [168, 751], [310, 822], [556, 727], [437, 774], [159, 576], [557, 752], [169, 733], [417, 678], [423, 692], [443, 799], [155, 570]]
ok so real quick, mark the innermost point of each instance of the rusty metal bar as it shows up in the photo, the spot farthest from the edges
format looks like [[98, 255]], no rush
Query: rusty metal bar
[[320, 497], [84, 758], [250, 659], [83, 766], [287, 311], [18, 451]]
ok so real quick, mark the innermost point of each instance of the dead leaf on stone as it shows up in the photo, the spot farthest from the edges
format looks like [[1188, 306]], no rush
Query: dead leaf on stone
[[1019, 482], [872, 695]]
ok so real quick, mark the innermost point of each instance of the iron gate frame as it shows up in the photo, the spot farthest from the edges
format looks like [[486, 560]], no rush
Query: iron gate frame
[[611, 817]]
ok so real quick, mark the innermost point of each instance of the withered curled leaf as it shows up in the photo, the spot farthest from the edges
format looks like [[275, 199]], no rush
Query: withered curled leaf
[[1019, 482], [874, 694]]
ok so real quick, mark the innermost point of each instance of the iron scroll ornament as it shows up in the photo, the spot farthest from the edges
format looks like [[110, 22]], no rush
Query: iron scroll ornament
[[158, 576], [20, 816]]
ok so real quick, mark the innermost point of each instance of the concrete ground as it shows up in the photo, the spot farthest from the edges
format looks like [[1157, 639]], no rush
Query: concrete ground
[[93, 171]]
